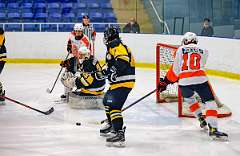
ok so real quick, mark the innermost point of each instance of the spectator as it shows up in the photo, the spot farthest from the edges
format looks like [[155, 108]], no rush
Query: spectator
[[132, 27], [207, 29]]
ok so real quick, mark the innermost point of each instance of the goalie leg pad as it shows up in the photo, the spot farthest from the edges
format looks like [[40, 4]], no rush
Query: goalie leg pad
[[82, 101]]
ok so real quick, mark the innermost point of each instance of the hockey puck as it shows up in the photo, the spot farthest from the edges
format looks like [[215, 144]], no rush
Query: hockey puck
[[78, 123]]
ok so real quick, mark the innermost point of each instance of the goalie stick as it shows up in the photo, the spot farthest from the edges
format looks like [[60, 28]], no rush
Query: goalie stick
[[135, 102], [22, 104], [50, 90]]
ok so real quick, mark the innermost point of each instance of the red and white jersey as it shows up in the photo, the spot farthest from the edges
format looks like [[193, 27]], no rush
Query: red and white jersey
[[189, 65], [76, 44]]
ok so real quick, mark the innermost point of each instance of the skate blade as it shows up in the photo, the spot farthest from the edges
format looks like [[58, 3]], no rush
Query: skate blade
[[204, 129], [116, 144], [108, 135], [105, 135], [221, 139]]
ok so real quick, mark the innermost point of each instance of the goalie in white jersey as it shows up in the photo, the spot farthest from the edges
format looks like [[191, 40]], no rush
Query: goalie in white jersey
[[188, 70]]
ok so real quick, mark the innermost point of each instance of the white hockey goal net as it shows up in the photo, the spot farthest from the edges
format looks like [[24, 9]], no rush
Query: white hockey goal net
[[164, 59]]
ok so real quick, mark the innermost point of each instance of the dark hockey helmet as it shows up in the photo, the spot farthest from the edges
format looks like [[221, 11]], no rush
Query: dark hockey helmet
[[110, 34]]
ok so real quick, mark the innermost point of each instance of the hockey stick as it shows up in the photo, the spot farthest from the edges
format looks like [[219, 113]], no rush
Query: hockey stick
[[50, 90], [17, 102], [135, 102]]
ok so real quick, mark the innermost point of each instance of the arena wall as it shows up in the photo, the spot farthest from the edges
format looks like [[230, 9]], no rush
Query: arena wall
[[49, 47]]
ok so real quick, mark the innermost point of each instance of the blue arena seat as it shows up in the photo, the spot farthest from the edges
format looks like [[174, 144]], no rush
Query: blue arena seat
[[80, 15], [3, 17], [13, 17], [110, 17], [53, 5], [68, 17], [31, 27], [106, 6], [27, 1], [39, 1], [93, 6], [67, 8], [54, 8], [13, 27], [40, 17], [2, 5], [39, 7], [81, 6], [26, 5], [96, 16], [27, 17], [67, 5], [12, 5], [54, 17]]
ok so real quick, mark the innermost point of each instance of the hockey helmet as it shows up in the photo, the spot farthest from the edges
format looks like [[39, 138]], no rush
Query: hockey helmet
[[189, 37], [110, 34], [84, 52], [78, 27]]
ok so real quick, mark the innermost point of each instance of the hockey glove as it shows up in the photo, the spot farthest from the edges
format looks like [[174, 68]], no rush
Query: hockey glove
[[68, 80], [110, 73], [64, 64], [162, 86]]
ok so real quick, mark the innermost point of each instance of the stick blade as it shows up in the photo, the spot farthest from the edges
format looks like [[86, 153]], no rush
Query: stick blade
[[49, 111], [48, 90]]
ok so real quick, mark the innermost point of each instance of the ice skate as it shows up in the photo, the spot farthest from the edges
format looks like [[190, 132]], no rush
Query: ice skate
[[106, 130], [2, 100], [118, 140], [216, 135], [203, 123]]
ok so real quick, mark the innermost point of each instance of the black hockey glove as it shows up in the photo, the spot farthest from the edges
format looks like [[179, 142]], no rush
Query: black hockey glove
[[65, 63], [164, 82], [110, 73]]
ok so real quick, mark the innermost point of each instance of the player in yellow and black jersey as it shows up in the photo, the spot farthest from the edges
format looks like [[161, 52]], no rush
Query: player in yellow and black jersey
[[3, 55], [120, 72], [89, 83]]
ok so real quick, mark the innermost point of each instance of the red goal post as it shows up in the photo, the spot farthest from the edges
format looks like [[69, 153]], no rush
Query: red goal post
[[164, 58]]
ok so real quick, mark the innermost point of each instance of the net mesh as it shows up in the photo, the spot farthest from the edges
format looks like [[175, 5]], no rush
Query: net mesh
[[164, 60]]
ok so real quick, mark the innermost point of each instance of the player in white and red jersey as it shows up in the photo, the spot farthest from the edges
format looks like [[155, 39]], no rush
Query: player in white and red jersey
[[76, 41], [77, 38], [189, 70]]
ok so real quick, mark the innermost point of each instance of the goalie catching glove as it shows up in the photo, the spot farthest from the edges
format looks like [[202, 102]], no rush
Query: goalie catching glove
[[68, 80]]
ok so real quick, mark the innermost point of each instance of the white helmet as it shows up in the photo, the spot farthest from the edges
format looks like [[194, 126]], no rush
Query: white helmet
[[78, 27], [189, 37]]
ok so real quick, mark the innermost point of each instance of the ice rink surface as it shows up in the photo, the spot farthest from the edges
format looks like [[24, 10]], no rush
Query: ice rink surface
[[152, 129]]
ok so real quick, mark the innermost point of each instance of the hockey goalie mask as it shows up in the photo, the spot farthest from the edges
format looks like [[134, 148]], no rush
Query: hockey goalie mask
[[84, 54], [188, 38]]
